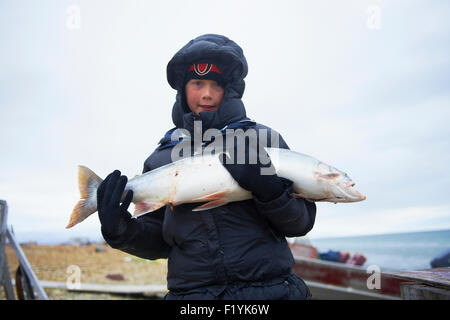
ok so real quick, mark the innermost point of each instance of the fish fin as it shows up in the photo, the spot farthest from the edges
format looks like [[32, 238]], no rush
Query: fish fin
[[88, 183], [77, 214], [327, 176], [212, 196], [211, 205], [143, 207]]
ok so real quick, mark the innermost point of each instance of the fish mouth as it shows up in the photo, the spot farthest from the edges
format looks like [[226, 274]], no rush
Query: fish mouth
[[354, 195]]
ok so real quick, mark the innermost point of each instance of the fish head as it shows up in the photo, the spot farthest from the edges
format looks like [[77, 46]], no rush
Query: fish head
[[340, 187]]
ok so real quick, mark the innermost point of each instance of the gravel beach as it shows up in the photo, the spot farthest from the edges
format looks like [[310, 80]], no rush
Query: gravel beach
[[97, 263]]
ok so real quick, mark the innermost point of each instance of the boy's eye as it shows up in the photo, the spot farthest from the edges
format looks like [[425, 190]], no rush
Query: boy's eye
[[218, 87]]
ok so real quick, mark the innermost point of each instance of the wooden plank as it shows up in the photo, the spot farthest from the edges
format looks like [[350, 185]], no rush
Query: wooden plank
[[436, 277], [7, 282], [5, 278], [25, 265], [149, 290], [431, 284], [419, 291], [3, 216]]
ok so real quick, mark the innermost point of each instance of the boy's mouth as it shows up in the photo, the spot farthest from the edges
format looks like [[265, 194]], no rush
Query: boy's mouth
[[206, 108]]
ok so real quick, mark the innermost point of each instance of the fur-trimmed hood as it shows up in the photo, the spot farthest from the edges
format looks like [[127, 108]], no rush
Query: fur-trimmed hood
[[225, 52]]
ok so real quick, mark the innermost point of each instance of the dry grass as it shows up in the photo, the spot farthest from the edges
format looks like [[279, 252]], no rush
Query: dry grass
[[51, 263]]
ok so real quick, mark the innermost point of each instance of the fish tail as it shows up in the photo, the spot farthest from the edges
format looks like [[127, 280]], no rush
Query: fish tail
[[88, 183]]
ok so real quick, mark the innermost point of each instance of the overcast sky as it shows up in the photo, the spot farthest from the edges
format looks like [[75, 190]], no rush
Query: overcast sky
[[361, 85]]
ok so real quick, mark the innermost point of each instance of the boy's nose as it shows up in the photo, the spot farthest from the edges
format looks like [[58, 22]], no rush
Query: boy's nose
[[206, 94]]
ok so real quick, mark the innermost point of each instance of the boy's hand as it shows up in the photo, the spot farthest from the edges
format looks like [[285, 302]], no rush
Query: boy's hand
[[113, 215], [254, 171]]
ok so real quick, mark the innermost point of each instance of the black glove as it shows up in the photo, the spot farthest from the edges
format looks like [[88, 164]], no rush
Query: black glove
[[113, 215], [257, 173]]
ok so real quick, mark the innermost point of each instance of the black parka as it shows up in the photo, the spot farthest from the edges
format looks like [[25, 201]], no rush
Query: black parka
[[239, 250]]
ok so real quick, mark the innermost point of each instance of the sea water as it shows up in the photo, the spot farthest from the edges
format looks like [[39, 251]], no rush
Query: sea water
[[398, 251]]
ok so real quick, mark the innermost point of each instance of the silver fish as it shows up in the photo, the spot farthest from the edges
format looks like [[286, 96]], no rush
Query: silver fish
[[202, 178]]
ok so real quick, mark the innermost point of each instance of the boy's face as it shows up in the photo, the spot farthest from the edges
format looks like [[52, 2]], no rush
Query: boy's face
[[203, 95]]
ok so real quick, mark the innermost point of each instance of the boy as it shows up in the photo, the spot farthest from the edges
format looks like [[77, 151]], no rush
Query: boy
[[235, 251]]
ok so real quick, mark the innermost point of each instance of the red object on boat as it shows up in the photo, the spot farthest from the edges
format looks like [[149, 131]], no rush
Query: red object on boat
[[357, 260], [304, 250], [344, 256]]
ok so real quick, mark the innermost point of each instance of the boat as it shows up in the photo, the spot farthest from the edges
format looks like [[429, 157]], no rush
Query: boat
[[328, 280]]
